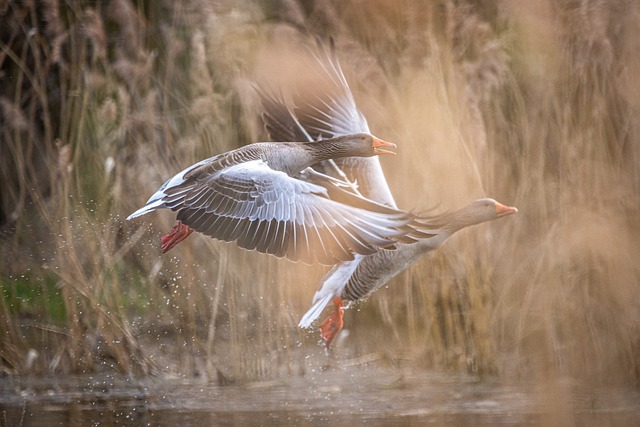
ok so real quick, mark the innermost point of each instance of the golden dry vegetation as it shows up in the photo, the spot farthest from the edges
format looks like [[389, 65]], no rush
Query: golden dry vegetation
[[535, 104]]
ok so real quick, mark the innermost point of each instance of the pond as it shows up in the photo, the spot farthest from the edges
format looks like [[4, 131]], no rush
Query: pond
[[356, 396]]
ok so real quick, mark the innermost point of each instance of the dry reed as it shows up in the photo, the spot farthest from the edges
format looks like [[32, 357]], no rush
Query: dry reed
[[534, 106]]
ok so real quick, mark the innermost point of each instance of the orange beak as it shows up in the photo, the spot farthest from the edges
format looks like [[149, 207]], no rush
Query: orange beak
[[502, 210], [377, 143]]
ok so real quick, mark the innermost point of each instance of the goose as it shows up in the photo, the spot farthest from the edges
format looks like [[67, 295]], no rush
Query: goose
[[357, 279], [317, 116], [251, 195]]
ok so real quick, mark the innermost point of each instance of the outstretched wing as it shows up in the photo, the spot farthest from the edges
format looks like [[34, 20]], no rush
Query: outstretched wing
[[279, 121], [325, 114], [271, 212]]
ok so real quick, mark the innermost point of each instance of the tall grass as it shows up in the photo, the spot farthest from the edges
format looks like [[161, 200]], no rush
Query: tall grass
[[533, 105]]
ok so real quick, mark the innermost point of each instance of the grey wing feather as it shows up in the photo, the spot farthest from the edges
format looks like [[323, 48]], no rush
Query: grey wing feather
[[271, 212], [279, 121], [326, 115]]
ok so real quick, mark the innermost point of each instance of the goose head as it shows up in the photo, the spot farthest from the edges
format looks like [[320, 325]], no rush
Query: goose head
[[483, 210], [362, 145]]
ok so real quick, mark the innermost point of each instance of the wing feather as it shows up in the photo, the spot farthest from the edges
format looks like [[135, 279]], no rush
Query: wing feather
[[326, 114], [269, 211]]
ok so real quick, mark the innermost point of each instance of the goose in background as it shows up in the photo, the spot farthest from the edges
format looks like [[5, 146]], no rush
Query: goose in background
[[316, 116]]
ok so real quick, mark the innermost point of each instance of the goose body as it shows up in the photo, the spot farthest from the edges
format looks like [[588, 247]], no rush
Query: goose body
[[251, 195], [325, 115], [355, 280]]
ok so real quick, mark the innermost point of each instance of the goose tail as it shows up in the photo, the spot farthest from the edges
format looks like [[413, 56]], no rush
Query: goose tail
[[151, 205], [331, 286], [315, 311]]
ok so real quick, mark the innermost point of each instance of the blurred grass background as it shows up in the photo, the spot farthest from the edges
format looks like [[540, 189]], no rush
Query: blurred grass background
[[534, 104]]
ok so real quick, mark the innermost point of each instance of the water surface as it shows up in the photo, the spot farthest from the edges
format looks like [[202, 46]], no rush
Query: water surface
[[356, 396]]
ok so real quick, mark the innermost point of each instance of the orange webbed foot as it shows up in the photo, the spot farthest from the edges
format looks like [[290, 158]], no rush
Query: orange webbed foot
[[178, 233], [332, 326]]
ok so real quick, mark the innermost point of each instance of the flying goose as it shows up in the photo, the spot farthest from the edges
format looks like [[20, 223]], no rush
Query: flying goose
[[251, 195]]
